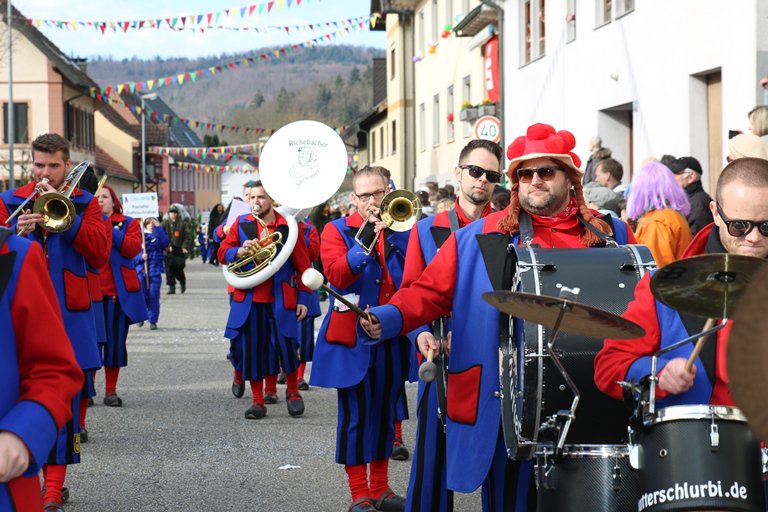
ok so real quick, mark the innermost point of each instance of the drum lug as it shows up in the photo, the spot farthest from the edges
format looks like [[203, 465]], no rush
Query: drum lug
[[616, 477], [714, 436], [765, 461]]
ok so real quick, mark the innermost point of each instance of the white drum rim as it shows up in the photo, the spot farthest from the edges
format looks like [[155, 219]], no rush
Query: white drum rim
[[697, 412], [586, 451]]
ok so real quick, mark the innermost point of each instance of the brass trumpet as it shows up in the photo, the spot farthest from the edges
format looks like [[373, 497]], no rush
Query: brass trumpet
[[56, 208], [400, 209], [260, 254]]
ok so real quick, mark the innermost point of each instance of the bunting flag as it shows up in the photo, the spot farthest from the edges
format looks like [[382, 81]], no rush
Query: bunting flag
[[216, 167], [192, 21], [193, 76], [209, 152]]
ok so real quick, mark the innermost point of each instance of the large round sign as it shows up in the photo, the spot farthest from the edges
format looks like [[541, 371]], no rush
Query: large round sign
[[489, 128], [303, 164]]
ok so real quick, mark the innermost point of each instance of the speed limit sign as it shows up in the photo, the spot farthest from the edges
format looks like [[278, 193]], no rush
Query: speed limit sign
[[488, 127]]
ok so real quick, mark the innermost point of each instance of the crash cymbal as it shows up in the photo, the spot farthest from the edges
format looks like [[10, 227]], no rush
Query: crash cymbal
[[748, 354], [707, 286], [578, 318]]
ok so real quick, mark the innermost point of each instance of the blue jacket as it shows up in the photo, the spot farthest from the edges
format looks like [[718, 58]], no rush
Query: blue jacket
[[156, 242], [126, 243]]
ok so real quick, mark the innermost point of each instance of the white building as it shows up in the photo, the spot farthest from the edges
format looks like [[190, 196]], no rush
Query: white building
[[650, 77]]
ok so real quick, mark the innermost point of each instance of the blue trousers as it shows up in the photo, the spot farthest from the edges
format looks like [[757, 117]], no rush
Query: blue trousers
[[307, 339], [365, 428], [204, 252], [101, 327], [509, 486], [114, 353], [260, 348], [152, 295], [66, 450]]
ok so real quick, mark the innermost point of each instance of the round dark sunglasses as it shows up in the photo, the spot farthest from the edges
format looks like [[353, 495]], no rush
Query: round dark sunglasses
[[740, 228], [525, 175], [476, 171]]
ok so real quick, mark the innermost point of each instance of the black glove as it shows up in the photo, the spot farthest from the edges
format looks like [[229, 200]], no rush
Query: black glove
[[368, 234]]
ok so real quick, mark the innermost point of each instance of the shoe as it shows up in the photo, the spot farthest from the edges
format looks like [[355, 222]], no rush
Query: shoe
[[56, 506], [390, 502], [229, 357], [64, 494], [399, 450], [295, 404], [183, 288], [83, 435], [152, 327], [362, 505], [141, 324], [255, 412], [281, 378], [270, 399], [172, 290], [113, 401], [90, 401], [303, 385], [238, 389]]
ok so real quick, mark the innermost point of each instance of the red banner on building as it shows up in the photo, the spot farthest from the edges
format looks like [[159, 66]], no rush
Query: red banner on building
[[492, 85]]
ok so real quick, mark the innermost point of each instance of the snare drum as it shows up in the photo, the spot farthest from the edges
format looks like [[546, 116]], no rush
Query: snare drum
[[533, 388], [699, 457], [594, 478]]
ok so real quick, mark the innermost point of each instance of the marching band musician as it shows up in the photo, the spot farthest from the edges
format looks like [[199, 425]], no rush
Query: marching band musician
[[67, 253], [39, 375], [263, 318], [740, 212], [547, 208], [369, 380], [477, 173], [307, 325], [123, 297]]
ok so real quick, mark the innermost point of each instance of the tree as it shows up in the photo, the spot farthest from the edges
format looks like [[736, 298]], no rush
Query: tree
[[354, 75], [258, 100]]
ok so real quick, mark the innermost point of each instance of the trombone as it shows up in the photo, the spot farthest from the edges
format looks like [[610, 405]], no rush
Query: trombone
[[56, 208], [400, 209]]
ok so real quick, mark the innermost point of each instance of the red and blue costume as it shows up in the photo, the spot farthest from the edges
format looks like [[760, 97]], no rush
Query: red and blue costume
[[452, 284], [625, 360], [307, 325], [39, 375]]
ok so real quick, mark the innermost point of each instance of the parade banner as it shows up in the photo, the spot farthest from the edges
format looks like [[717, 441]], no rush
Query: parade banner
[[141, 206]]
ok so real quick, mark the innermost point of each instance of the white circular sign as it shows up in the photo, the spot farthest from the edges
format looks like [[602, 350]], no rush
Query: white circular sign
[[489, 128], [303, 164]]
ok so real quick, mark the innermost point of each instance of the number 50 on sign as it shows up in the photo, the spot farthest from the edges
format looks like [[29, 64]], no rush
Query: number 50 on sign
[[488, 127]]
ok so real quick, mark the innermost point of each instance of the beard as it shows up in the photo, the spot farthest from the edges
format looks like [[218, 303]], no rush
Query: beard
[[545, 206]]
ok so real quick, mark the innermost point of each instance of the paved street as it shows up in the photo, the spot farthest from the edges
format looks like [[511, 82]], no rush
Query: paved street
[[180, 441]]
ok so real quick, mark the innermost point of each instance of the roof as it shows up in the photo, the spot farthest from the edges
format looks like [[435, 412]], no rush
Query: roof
[[112, 167], [61, 63]]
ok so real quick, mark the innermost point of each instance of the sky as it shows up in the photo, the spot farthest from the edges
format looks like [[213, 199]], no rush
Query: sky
[[164, 43]]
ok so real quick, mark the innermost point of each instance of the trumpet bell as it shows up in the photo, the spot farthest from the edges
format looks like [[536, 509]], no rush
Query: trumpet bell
[[57, 210], [400, 210]]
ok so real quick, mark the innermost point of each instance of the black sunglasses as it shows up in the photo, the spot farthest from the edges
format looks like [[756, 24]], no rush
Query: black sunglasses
[[476, 171], [740, 228], [545, 173]]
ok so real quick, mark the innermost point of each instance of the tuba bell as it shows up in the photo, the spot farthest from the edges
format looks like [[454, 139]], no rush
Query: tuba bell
[[400, 209], [301, 165]]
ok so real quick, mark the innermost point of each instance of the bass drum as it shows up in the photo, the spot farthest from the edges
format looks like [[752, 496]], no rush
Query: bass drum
[[533, 388]]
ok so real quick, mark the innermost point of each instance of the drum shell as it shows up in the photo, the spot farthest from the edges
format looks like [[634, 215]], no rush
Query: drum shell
[[677, 454], [583, 481]]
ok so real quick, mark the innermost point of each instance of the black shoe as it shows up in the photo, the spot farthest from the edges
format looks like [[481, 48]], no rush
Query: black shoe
[[303, 385], [113, 401], [83, 435], [172, 290], [55, 506], [281, 378], [270, 399], [183, 288], [255, 412], [399, 450], [295, 406], [152, 327], [390, 502], [238, 389], [64, 494], [141, 324], [362, 505], [90, 401], [229, 356]]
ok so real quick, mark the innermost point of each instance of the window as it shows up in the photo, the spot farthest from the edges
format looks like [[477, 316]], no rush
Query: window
[[450, 127], [373, 145], [532, 30], [435, 23], [173, 179], [624, 7], [20, 123], [570, 21], [542, 31], [392, 61], [466, 91], [436, 120], [603, 14], [382, 141], [394, 137], [422, 127], [420, 36], [79, 127]]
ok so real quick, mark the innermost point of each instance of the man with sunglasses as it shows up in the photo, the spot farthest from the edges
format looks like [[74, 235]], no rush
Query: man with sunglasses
[[477, 174], [740, 227], [369, 380], [547, 208]]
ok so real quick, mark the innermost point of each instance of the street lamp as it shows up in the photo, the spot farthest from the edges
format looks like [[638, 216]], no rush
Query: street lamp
[[150, 96]]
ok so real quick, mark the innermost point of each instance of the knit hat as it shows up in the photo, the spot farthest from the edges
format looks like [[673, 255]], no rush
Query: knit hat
[[173, 209], [748, 145], [542, 141]]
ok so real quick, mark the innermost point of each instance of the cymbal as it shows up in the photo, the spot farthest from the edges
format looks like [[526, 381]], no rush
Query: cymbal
[[578, 319], [748, 354], [708, 286]]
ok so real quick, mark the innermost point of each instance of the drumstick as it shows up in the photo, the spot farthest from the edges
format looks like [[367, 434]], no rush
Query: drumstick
[[699, 344], [427, 370], [313, 280]]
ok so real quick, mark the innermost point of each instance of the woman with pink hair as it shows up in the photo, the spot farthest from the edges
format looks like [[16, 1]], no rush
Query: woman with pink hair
[[659, 205]]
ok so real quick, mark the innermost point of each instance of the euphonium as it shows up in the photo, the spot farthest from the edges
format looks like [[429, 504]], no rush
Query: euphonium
[[260, 254], [400, 209]]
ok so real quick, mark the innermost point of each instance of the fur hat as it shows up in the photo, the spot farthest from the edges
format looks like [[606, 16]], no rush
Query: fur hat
[[542, 141], [748, 145]]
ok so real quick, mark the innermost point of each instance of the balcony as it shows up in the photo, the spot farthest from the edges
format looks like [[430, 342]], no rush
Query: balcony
[[476, 20]]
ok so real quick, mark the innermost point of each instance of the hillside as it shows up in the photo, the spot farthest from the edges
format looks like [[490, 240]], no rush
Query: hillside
[[330, 84]]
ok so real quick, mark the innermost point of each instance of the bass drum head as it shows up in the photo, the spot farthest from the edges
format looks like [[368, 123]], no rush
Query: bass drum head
[[303, 164]]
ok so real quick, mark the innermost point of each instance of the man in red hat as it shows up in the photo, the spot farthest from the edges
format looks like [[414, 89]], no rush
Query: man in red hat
[[546, 208]]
